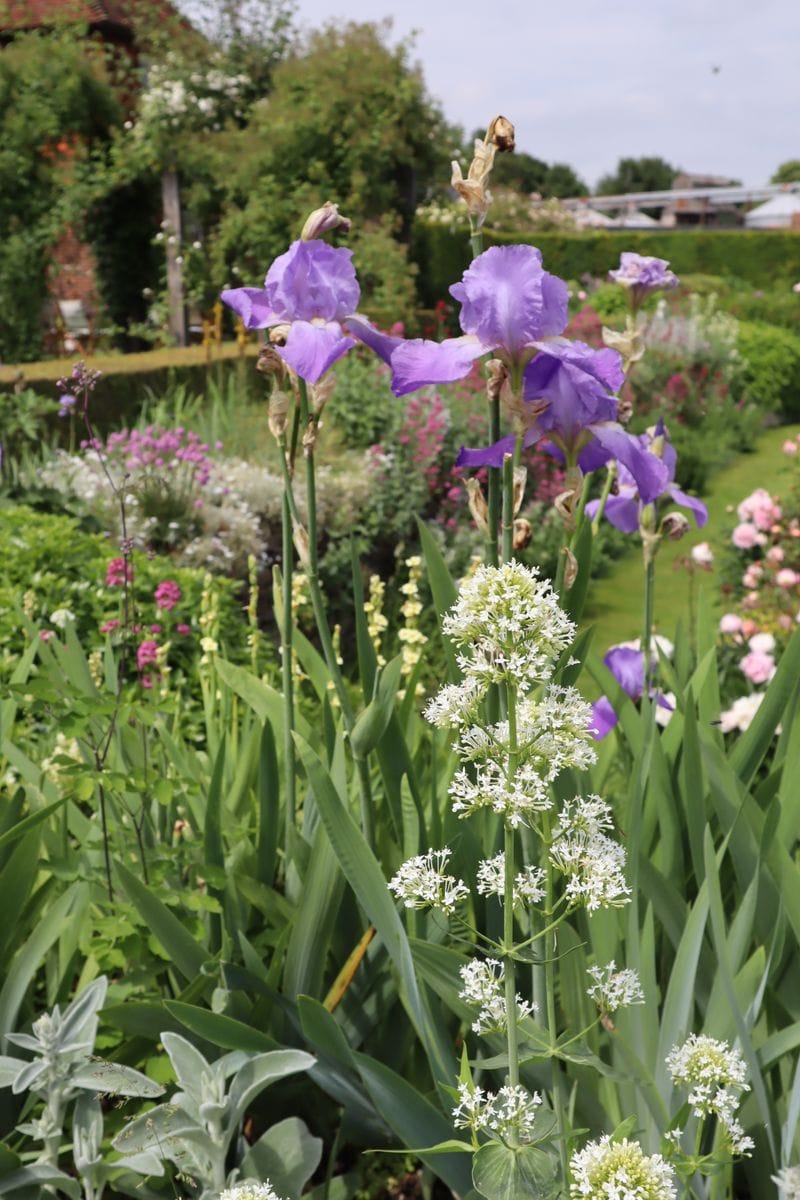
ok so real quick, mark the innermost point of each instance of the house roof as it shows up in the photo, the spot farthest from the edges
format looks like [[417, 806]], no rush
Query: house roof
[[34, 14]]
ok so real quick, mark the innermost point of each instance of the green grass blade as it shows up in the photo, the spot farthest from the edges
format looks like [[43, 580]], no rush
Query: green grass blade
[[188, 956]]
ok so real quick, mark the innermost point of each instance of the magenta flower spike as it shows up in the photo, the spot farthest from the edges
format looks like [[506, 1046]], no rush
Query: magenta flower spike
[[312, 290]]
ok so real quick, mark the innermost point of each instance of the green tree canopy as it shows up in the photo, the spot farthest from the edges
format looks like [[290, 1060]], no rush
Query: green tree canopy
[[787, 172], [648, 174]]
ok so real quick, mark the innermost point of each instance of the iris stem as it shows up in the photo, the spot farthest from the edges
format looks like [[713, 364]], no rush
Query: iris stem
[[287, 683], [611, 474], [508, 508], [649, 596]]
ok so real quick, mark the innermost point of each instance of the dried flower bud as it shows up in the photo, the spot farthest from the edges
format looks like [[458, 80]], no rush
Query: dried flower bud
[[629, 343], [571, 571], [477, 504], [497, 374], [674, 526], [319, 393], [300, 539], [566, 503], [523, 532], [310, 438], [269, 362], [278, 334], [323, 220], [278, 412], [520, 479], [501, 134]]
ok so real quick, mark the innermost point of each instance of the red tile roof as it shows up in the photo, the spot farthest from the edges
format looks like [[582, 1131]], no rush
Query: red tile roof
[[31, 14]]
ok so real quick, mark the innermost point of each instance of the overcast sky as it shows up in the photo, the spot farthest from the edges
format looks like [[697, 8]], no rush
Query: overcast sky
[[588, 81]]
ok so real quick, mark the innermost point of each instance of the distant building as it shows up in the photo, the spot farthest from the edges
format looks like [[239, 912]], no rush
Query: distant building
[[685, 211]]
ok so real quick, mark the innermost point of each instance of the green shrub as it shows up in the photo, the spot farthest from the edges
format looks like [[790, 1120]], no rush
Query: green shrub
[[761, 258], [772, 370]]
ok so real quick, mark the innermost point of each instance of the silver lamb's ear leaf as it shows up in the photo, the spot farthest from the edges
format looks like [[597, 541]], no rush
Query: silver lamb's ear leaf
[[38, 1175], [79, 1022], [142, 1164], [158, 1130], [115, 1079], [287, 1155], [87, 1131], [189, 1064], [254, 1076], [28, 1076], [10, 1069]]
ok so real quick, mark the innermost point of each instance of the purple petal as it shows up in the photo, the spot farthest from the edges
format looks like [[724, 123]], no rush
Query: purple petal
[[313, 279], [382, 343], [663, 702], [418, 362], [252, 305], [311, 349], [692, 503], [627, 667], [508, 301], [603, 718], [574, 380], [649, 472], [623, 512], [489, 456]]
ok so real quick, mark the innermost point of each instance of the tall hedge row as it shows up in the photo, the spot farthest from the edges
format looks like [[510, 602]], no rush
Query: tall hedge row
[[761, 258]]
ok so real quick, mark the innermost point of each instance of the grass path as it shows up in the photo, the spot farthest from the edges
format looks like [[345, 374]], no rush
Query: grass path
[[615, 606]]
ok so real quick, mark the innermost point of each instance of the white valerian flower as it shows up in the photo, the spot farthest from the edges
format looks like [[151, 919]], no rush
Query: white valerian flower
[[511, 1112], [621, 1170], [715, 1075], [61, 617], [788, 1181], [613, 989], [528, 883], [592, 861], [702, 554], [740, 714], [421, 882], [488, 786], [484, 985], [250, 1189]]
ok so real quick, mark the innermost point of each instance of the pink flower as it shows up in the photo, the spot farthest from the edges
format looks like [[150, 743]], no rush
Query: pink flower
[[775, 554], [785, 621], [751, 600], [787, 578], [702, 554], [758, 667], [749, 627], [760, 508], [118, 572], [146, 654], [167, 594], [745, 536], [183, 629], [109, 626], [730, 623], [752, 575], [789, 447], [46, 635], [155, 629], [762, 643]]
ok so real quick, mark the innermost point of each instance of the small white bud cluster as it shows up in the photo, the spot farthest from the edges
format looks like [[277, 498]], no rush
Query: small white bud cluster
[[484, 985], [421, 882], [511, 1112], [250, 1189], [613, 989], [592, 862], [528, 883], [716, 1076], [788, 1181], [606, 1169]]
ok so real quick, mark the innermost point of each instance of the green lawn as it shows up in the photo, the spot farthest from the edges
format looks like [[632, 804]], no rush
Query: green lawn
[[615, 602]]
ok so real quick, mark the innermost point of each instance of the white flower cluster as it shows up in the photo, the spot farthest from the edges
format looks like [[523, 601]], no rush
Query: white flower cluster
[[176, 99], [484, 985], [511, 1112], [592, 861], [250, 1189], [788, 1181], [608, 1170], [613, 989], [421, 882], [528, 883], [716, 1076]]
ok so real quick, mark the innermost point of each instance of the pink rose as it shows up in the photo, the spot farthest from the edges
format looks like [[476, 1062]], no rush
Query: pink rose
[[758, 667], [745, 536], [749, 627], [762, 643], [786, 577], [730, 623], [789, 447], [775, 554], [785, 621]]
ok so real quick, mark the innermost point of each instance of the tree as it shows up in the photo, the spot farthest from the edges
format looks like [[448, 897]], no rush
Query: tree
[[787, 172], [561, 181], [649, 174]]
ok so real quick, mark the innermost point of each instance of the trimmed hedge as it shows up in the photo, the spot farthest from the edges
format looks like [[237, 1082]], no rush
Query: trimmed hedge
[[760, 257], [772, 371]]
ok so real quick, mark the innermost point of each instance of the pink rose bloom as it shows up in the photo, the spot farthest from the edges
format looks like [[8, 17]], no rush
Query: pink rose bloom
[[702, 554], [183, 629], [745, 536], [109, 626], [752, 576], [762, 643], [46, 635], [758, 667], [751, 600], [775, 554], [749, 627], [785, 621], [146, 654], [789, 447], [118, 572], [167, 594], [730, 623], [786, 577]]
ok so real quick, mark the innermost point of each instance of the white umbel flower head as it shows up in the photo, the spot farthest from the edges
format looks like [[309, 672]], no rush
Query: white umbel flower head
[[509, 1113], [592, 862], [613, 989], [250, 1189], [788, 1181], [716, 1076], [606, 1170], [484, 986], [421, 882], [528, 883]]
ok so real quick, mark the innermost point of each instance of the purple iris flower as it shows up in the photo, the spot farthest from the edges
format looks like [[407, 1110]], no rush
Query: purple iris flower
[[313, 290], [508, 303], [626, 664], [643, 273], [567, 388], [624, 509]]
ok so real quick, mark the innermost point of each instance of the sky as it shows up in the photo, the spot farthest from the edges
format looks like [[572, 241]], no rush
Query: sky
[[589, 81]]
